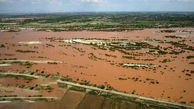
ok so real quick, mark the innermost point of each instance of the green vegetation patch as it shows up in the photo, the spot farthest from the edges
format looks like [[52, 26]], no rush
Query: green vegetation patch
[[191, 63], [16, 76], [2, 46], [182, 45], [190, 57], [77, 88], [62, 85], [47, 99], [176, 37], [26, 51], [17, 62], [109, 55], [168, 31], [128, 57]]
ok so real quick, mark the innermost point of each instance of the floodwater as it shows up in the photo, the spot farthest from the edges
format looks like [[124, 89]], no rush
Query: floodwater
[[173, 83]]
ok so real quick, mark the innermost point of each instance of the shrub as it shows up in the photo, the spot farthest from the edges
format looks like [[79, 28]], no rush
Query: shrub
[[101, 86], [189, 57]]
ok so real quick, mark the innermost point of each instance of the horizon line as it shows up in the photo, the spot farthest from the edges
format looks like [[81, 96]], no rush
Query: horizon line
[[19, 13]]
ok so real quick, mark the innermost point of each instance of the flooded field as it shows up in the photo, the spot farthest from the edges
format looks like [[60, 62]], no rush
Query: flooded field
[[151, 62]]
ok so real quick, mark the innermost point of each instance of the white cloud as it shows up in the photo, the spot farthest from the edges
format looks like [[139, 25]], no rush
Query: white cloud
[[97, 1]]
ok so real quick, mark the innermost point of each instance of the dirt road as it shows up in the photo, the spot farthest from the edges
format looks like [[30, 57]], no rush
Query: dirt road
[[130, 95]]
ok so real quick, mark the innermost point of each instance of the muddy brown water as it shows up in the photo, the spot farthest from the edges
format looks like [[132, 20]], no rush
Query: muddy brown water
[[173, 85]]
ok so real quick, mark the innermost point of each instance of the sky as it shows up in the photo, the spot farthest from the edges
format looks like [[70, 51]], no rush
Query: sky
[[51, 6]]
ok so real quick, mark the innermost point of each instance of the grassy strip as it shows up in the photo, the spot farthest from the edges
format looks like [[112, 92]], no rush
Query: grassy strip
[[17, 62], [27, 98], [17, 76]]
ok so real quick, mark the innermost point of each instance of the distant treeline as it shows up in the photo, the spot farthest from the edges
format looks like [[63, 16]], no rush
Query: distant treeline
[[122, 21]]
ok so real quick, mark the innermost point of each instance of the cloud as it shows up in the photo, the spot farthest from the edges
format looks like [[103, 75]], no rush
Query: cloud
[[162, 0], [94, 5], [96, 1], [47, 2], [55, 2], [5, 1], [185, 0]]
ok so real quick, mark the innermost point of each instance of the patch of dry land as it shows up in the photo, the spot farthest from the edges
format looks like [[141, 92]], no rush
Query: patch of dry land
[[151, 62]]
